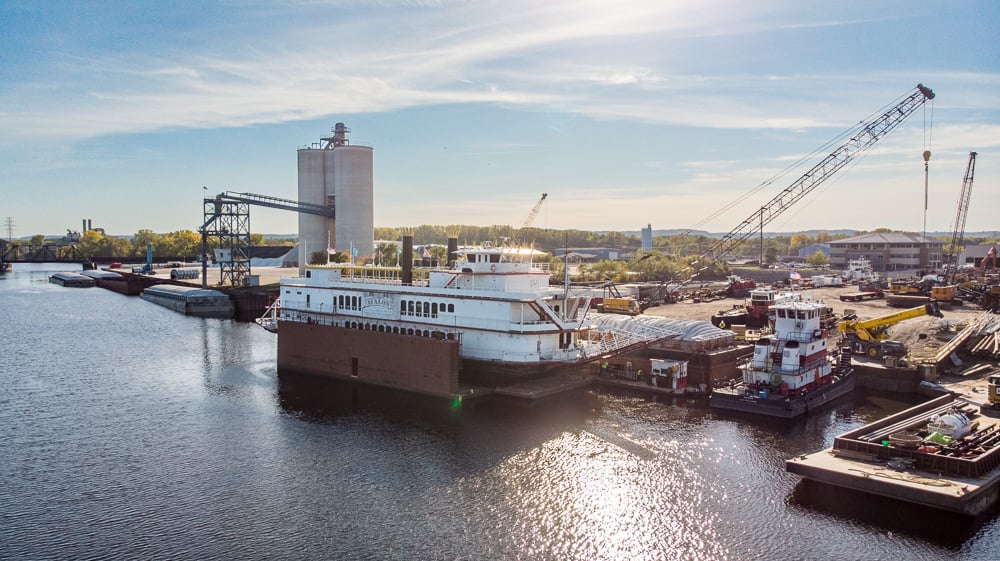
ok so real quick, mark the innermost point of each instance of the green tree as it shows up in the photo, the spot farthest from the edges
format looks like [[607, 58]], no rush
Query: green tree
[[817, 258], [141, 240], [799, 241]]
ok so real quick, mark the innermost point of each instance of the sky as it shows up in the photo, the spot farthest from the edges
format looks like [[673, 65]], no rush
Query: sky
[[675, 114]]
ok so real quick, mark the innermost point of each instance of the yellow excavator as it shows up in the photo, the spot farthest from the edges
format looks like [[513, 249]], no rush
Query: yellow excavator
[[871, 337]]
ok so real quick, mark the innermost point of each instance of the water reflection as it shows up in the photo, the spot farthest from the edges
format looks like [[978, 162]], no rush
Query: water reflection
[[889, 515]]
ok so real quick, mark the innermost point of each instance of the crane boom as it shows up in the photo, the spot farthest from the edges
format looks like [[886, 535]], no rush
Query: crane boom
[[534, 212], [877, 329], [958, 231], [867, 134]]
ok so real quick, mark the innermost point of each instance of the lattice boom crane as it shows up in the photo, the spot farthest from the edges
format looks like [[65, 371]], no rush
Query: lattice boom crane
[[534, 212], [867, 134], [958, 231]]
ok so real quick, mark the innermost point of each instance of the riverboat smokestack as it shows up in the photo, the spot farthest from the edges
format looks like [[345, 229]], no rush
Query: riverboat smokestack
[[452, 251], [407, 261]]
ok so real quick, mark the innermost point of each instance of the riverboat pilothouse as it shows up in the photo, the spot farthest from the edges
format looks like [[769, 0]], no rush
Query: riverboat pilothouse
[[491, 315], [792, 372]]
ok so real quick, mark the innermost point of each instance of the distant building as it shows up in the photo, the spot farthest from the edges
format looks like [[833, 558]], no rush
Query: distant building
[[973, 255], [589, 254], [889, 251], [647, 238], [810, 249]]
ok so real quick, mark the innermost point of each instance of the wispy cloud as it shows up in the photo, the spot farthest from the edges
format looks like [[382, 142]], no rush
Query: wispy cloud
[[384, 56]]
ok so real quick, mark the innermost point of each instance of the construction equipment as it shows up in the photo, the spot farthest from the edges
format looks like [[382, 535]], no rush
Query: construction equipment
[[614, 302], [994, 387], [534, 212], [958, 230], [871, 337], [989, 260], [860, 139]]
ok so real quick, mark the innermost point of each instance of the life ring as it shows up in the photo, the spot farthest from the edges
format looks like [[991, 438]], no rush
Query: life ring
[[775, 380], [493, 268]]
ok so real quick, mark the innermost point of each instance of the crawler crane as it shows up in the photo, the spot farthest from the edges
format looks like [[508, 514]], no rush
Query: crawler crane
[[859, 139], [870, 337]]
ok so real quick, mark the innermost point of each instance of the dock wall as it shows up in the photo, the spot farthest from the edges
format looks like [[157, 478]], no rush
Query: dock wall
[[887, 378], [708, 367]]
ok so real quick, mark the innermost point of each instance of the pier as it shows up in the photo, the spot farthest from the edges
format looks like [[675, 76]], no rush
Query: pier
[[883, 458]]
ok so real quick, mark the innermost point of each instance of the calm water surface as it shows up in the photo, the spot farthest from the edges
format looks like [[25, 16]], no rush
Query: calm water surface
[[133, 432]]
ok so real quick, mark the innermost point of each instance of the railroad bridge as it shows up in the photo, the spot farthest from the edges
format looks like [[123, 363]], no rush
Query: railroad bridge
[[13, 252]]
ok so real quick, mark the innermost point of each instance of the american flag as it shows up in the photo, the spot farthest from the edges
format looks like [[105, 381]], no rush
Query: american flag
[[795, 275]]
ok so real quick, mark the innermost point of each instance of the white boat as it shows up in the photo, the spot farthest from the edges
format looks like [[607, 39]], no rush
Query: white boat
[[792, 372], [494, 309], [859, 270]]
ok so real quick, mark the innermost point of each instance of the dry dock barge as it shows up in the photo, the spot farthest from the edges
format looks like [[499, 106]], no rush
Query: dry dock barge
[[910, 457]]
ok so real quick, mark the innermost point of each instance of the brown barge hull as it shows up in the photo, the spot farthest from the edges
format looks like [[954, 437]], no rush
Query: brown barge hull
[[427, 365], [423, 365]]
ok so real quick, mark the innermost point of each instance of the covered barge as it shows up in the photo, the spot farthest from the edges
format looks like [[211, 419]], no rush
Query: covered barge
[[190, 300]]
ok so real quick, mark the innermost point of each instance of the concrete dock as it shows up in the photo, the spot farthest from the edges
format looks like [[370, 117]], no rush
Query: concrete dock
[[968, 484]]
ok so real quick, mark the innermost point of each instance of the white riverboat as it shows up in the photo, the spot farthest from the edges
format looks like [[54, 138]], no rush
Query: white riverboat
[[494, 304]]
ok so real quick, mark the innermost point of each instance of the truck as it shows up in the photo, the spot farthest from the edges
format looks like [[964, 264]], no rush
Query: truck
[[871, 337]]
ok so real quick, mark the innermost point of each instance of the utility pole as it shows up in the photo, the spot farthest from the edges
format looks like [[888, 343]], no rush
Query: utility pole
[[10, 228]]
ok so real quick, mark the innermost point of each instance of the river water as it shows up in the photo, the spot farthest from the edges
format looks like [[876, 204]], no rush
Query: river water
[[130, 431]]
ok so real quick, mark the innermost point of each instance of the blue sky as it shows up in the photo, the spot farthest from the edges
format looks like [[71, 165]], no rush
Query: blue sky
[[627, 114]]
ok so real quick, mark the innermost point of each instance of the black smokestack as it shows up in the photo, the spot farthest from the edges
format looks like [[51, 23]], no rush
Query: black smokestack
[[452, 251], [407, 261]]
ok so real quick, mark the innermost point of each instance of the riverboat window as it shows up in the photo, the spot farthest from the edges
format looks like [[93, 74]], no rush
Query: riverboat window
[[451, 308], [307, 299], [494, 258], [434, 310], [427, 309], [409, 307], [309, 274]]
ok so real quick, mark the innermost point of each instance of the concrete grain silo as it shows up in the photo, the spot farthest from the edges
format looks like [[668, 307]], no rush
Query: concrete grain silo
[[336, 173]]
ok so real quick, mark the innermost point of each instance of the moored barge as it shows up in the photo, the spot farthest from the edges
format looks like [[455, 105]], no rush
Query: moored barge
[[75, 280], [939, 454]]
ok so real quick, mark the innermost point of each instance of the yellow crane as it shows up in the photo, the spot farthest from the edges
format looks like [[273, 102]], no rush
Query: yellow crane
[[871, 336]]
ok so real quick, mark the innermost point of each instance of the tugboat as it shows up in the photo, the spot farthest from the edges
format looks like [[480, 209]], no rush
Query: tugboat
[[792, 372]]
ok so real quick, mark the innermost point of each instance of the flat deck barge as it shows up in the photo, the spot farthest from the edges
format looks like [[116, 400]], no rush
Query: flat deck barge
[[899, 457]]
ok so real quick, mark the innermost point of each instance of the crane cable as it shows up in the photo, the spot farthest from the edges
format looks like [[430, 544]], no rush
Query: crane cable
[[928, 133], [825, 148]]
